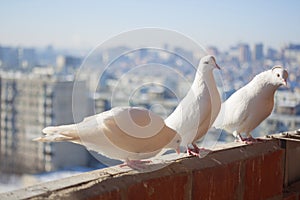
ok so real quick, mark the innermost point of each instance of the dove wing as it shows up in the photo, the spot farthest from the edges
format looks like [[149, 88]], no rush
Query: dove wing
[[126, 142], [233, 111]]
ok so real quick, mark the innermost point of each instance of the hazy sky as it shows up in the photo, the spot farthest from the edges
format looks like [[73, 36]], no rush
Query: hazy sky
[[84, 24]]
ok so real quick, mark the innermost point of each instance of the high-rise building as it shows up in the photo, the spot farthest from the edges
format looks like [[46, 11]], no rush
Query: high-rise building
[[17, 58], [272, 54], [28, 104], [27, 58], [244, 53], [68, 63], [292, 53], [258, 52], [9, 59]]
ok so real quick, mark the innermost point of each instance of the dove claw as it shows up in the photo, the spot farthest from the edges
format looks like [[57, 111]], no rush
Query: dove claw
[[249, 140], [196, 151]]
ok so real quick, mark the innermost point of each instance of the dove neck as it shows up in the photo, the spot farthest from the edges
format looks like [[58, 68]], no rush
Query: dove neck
[[269, 90], [264, 87], [206, 77]]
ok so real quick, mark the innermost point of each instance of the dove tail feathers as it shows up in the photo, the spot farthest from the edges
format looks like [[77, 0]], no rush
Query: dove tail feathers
[[60, 134]]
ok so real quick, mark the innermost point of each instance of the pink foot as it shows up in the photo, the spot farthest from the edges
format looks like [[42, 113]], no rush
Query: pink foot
[[249, 140], [135, 164], [196, 151]]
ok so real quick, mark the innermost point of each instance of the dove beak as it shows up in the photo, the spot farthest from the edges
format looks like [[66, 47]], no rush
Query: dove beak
[[217, 66], [284, 82]]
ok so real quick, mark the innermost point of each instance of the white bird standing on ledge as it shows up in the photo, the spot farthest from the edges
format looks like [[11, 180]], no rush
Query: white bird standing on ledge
[[244, 110], [129, 134], [199, 108]]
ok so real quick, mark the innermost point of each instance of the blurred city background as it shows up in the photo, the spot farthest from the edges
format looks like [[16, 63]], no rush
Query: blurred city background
[[39, 59]]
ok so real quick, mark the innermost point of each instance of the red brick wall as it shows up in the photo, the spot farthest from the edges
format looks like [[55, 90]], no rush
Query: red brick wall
[[252, 172], [237, 172]]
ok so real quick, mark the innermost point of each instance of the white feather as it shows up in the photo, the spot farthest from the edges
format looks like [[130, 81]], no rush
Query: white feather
[[115, 134], [198, 109], [244, 110]]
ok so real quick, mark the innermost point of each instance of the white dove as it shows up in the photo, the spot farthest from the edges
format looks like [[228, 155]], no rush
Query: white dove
[[244, 110], [130, 134], [199, 108]]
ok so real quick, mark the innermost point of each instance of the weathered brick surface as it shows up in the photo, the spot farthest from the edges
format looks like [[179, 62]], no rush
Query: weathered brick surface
[[171, 187], [219, 182], [264, 176]]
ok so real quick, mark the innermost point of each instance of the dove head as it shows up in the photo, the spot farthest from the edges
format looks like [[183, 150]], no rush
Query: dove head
[[279, 76], [208, 63]]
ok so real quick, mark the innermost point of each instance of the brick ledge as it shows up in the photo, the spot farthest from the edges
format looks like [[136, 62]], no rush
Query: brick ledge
[[235, 172]]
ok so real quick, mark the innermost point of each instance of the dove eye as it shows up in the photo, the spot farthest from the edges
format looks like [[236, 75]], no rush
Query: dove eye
[[206, 62], [278, 75]]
